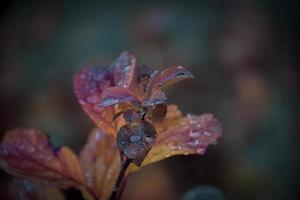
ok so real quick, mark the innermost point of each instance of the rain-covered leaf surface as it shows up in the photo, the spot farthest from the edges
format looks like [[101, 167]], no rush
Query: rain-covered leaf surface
[[88, 85], [28, 153], [178, 135], [100, 160]]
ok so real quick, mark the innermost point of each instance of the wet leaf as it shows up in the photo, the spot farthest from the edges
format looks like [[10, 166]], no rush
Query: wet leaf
[[135, 140], [88, 85], [123, 69], [20, 189], [170, 76], [116, 95], [100, 160], [178, 135], [28, 153]]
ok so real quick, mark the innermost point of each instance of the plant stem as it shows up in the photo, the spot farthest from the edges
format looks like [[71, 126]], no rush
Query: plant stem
[[119, 187]]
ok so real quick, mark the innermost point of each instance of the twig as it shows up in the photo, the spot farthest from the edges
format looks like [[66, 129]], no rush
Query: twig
[[119, 187]]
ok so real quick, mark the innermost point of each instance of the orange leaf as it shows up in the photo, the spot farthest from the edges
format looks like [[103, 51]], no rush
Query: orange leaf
[[178, 135], [28, 153], [100, 159]]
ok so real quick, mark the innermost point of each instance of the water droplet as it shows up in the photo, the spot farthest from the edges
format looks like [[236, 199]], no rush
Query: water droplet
[[194, 142], [148, 139], [97, 136], [109, 102], [81, 102], [109, 173], [135, 138], [207, 133], [200, 151], [195, 134], [198, 126], [21, 147], [89, 177], [92, 99]]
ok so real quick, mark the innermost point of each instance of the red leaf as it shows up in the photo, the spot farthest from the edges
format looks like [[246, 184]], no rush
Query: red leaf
[[28, 153], [100, 159], [90, 83], [88, 86]]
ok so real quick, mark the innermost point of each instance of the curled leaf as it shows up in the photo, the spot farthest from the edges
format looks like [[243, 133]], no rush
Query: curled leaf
[[28, 153], [100, 160], [170, 76], [178, 135]]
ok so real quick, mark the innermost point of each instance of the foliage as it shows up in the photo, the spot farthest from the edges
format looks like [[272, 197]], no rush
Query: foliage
[[127, 104]]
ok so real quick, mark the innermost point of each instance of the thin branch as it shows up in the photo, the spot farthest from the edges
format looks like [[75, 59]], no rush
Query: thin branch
[[119, 187]]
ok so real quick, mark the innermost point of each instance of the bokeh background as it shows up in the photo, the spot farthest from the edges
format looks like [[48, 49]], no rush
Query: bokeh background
[[243, 56]]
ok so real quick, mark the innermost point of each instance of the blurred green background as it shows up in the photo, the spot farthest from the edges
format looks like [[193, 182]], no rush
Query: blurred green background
[[243, 57]]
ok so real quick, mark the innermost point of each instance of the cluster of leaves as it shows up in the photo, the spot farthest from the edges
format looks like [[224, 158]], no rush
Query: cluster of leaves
[[127, 104]]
